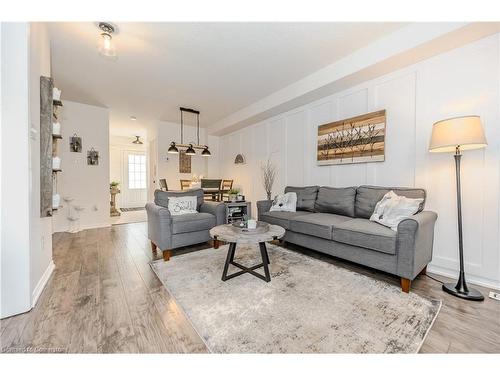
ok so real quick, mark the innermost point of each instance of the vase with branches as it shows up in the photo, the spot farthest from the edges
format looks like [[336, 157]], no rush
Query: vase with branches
[[269, 173]]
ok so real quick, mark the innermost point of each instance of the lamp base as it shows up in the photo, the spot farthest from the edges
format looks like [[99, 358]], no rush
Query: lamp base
[[469, 293]]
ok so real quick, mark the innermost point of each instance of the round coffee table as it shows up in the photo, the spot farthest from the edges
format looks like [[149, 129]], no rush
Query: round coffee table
[[234, 236]]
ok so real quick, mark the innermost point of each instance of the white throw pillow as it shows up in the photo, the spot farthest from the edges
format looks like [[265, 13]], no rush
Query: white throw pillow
[[285, 202], [393, 208], [182, 205]]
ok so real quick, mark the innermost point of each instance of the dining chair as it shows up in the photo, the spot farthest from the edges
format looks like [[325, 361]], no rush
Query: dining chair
[[163, 184], [211, 188], [185, 184], [226, 186]]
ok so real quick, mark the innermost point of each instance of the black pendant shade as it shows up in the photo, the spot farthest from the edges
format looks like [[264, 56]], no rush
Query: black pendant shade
[[190, 150], [205, 152], [173, 149]]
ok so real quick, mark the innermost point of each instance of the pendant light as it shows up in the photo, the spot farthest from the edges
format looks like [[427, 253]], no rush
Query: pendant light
[[137, 140], [172, 149], [205, 152], [106, 47], [190, 148]]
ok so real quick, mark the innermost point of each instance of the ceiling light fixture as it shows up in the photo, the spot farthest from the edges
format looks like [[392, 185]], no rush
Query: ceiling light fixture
[[133, 118], [106, 47], [137, 140], [190, 148]]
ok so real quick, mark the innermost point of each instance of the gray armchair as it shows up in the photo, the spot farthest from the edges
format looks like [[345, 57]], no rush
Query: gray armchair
[[168, 232]]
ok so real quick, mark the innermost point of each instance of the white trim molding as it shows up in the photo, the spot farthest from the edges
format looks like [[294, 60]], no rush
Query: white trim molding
[[41, 283]]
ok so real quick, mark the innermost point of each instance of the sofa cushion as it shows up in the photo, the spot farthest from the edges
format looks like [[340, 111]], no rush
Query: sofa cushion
[[161, 197], [192, 222], [367, 198], [317, 224], [306, 196], [336, 200], [367, 234], [281, 218]]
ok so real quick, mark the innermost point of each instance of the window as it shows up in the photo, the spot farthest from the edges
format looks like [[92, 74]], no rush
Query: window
[[136, 171]]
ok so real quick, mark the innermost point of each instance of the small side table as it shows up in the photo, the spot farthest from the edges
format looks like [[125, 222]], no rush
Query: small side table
[[236, 210]]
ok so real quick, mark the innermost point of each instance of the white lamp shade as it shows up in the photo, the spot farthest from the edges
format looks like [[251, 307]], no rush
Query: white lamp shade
[[465, 132]]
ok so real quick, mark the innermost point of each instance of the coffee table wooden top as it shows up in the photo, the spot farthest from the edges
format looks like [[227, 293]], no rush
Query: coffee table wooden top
[[228, 234]]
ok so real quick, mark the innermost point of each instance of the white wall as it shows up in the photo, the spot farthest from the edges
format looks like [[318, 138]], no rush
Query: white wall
[[88, 184], [41, 227], [460, 82], [168, 164], [15, 164]]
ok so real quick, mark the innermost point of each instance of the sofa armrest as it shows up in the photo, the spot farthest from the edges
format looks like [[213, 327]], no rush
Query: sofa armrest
[[218, 209], [415, 240], [159, 226], [263, 206]]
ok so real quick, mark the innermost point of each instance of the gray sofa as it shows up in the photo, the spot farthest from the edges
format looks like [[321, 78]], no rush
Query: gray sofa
[[336, 221], [168, 232]]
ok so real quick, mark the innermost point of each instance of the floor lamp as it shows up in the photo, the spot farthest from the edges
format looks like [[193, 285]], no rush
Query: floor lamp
[[456, 135]]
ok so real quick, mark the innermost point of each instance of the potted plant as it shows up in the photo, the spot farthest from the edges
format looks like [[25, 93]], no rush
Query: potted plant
[[233, 194], [113, 187]]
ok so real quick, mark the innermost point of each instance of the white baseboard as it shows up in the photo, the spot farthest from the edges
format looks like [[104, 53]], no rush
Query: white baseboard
[[471, 279], [41, 283]]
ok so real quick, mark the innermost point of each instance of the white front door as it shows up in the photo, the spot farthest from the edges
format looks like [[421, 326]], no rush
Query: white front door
[[134, 190]]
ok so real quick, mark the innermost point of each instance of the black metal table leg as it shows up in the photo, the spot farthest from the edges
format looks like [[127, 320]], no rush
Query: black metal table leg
[[265, 260], [230, 260]]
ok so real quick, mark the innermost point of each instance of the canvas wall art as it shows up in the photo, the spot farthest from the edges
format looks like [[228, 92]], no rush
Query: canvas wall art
[[359, 139], [184, 162]]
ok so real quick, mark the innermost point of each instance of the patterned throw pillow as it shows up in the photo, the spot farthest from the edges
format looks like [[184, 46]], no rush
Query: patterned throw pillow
[[285, 202], [182, 205], [393, 208]]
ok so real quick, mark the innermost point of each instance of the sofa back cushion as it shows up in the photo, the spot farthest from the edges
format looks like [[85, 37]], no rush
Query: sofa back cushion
[[161, 197], [338, 201], [306, 196], [367, 198]]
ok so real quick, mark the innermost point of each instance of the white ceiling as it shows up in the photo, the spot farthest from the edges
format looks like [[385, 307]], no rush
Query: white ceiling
[[217, 68]]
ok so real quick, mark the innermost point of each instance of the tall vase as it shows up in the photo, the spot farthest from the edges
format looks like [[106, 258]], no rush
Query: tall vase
[[268, 195]]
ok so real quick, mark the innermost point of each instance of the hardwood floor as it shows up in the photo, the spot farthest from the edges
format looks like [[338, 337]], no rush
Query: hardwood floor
[[104, 298]]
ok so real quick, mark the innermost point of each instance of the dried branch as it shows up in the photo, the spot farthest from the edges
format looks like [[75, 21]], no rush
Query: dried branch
[[269, 172]]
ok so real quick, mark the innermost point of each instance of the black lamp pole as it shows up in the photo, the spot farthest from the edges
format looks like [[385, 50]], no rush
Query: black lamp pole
[[460, 289]]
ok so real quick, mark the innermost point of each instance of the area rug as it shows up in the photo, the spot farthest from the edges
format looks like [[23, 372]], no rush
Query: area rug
[[310, 306]]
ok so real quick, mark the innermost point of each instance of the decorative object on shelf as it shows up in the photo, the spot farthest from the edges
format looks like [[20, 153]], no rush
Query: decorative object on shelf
[[113, 190], [359, 139], [75, 143], [239, 159], [56, 201], [233, 194], [137, 140], [190, 148], [56, 128], [92, 157], [455, 135], [106, 47], [184, 162], [56, 163], [269, 172], [56, 94]]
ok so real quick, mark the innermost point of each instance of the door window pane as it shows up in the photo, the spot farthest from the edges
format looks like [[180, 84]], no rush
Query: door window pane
[[136, 171]]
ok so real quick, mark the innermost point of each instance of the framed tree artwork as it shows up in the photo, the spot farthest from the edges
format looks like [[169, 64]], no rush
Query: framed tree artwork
[[184, 162], [359, 139]]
